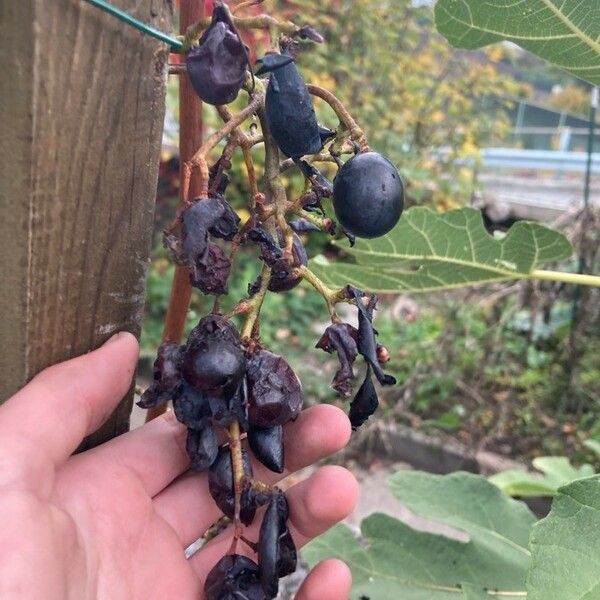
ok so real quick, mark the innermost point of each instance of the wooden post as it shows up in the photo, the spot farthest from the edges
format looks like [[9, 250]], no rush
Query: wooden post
[[81, 113]]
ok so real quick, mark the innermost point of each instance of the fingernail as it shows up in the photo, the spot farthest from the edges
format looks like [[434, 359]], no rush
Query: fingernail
[[114, 338]]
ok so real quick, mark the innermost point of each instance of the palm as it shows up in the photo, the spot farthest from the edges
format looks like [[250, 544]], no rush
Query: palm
[[113, 522], [135, 552]]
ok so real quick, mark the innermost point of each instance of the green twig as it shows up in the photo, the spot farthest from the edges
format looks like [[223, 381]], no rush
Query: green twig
[[331, 297], [255, 303]]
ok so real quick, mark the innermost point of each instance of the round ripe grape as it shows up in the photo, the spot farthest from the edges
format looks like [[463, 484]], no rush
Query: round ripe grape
[[368, 195]]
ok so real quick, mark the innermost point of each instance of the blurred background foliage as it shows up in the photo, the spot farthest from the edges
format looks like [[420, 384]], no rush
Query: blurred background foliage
[[508, 369]]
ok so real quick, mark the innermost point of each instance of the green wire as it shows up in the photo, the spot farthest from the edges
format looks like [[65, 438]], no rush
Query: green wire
[[123, 16]]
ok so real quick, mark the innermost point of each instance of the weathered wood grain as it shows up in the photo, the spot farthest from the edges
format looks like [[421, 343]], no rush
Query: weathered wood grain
[[81, 114]]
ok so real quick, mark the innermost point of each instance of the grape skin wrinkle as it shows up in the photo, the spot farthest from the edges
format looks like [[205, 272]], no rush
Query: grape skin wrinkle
[[289, 107], [217, 65]]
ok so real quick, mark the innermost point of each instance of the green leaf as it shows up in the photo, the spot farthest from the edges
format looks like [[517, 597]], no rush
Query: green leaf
[[396, 561], [467, 502], [565, 546], [564, 32], [593, 445], [558, 471], [427, 251]]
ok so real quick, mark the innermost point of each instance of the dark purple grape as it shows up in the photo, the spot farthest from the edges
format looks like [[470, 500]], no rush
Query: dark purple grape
[[303, 226], [274, 391], [218, 180], [277, 555], [320, 184], [166, 375], [365, 402], [210, 274], [215, 366], [282, 270], [194, 232], [271, 252], [267, 445], [227, 225], [191, 407], [212, 326], [203, 216], [341, 338], [217, 65], [202, 447], [208, 264], [368, 195], [234, 577], [226, 410], [282, 279], [220, 485], [366, 343], [289, 108]]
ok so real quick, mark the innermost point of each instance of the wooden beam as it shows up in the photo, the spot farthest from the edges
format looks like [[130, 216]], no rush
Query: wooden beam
[[81, 108]]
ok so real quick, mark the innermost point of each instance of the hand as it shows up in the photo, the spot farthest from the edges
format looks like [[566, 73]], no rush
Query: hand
[[113, 522]]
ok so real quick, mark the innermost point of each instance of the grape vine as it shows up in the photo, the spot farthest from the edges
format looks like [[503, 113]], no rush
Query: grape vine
[[222, 377]]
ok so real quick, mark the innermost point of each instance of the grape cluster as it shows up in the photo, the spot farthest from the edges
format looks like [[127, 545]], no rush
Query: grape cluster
[[222, 377], [215, 381], [348, 342]]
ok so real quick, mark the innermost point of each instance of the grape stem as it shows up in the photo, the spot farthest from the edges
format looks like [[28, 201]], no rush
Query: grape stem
[[255, 304], [263, 21], [331, 297], [245, 144], [323, 223], [356, 133], [237, 468], [199, 159], [177, 69], [288, 163], [275, 195], [252, 545]]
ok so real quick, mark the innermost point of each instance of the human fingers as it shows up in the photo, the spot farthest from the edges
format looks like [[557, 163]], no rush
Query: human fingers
[[42, 424], [315, 504], [331, 579], [318, 432], [155, 453]]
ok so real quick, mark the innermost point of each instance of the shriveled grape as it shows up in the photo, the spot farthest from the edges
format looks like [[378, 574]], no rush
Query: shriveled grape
[[366, 342], [274, 391], [166, 376], [267, 445], [289, 107], [217, 65], [277, 555], [202, 447], [341, 338], [365, 402], [226, 410], [234, 577], [210, 273], [191, 407], [220, 485]]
